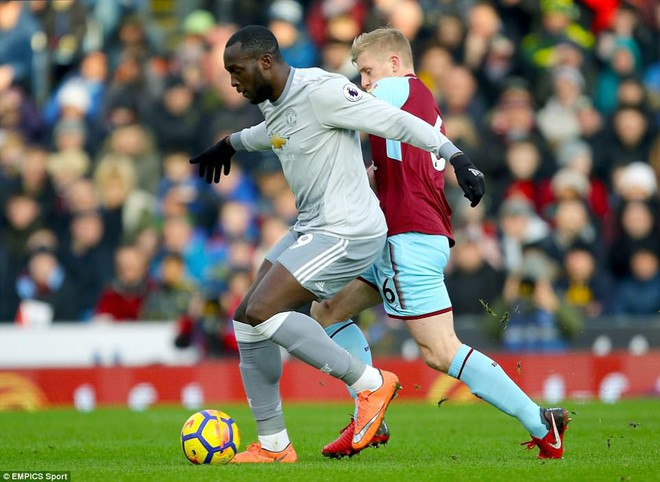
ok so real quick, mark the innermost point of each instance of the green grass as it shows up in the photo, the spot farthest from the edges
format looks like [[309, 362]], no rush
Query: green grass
[[618, 442]]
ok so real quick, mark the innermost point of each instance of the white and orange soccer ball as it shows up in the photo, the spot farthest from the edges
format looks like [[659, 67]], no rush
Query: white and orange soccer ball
[[210, 437]]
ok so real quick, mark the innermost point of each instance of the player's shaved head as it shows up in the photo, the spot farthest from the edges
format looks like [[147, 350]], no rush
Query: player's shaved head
[[256, 41]]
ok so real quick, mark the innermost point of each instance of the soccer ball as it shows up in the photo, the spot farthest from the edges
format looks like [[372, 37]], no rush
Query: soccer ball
[[210, 437]]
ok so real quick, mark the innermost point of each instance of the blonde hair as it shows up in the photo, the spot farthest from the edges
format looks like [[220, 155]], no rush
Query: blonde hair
[[383, 40]]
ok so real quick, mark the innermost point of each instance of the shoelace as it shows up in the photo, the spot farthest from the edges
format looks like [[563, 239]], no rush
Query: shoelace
[[530, 444]]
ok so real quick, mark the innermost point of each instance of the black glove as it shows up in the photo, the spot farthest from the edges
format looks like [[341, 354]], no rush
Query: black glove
[[213, 158], [470, 178]]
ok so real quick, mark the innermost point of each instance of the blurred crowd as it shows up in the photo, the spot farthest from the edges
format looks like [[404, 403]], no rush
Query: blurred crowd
[[102, 102]]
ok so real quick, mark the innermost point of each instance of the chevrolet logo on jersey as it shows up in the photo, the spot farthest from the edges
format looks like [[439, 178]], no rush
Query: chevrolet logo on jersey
[[277, 141]]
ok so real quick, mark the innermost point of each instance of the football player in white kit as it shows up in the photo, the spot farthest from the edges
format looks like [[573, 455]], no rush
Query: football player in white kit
[[312, 119]]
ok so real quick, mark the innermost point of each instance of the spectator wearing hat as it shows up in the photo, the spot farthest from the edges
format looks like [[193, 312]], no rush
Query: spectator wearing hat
[[622, 60], [577, 155], [557, 119], [286, 21], [519, 225], [558, 23]]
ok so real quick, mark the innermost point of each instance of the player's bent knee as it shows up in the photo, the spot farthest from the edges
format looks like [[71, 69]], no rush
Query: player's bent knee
[[320, 312], [257, 312], [436, 360]]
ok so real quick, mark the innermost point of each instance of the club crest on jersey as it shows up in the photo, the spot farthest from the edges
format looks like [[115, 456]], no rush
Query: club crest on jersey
[[352, 93], [278, 141], [291, 117]]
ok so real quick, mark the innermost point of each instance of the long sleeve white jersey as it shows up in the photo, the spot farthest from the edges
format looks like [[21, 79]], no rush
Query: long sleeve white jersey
[[313, 129]]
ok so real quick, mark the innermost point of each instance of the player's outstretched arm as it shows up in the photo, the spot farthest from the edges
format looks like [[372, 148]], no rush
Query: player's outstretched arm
[[470, 179], [214, 160]]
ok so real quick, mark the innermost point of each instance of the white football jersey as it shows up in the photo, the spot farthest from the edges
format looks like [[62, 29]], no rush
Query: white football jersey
[[313, 128]]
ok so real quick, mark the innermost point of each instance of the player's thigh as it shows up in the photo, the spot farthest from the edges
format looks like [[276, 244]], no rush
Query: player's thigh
[[410, 276], [278, 291], [307, 267], [355, 297], [325, 264]]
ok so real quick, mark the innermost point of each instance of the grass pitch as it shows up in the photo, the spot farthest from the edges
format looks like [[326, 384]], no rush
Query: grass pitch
[[619, 442]]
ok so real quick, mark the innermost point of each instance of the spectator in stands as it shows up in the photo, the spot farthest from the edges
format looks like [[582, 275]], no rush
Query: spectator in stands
[[175, 117], [577, 155], [471, 280], [321, 12], [558, 24], [181, 180], [530, 316], [78, 196], [23, 217], [500, 64], [592, 128], [85, 88], [572, 224], [123, 297], [557, 118], [511, 120], [207, 327], [639, 292], [566, 184], [519, 225], [88, 259], [483, 26], [17, 28], [137, 142], [435, 63], [461, 96], [45, 286], [20, 115], [636, 226], [522, 178], [35, 181], [203, 259], [635, 182], [65, 24], [171, 295], [583, 283], [628, 140], [286, 21], [623, 59], [128, 209]]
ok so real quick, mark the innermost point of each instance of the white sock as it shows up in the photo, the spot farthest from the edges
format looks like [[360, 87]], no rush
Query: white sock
[[370, 380], [275, 442]]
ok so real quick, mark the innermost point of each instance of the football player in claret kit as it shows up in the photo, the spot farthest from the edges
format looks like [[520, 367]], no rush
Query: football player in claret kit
[[312, 119], [408, 278]]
